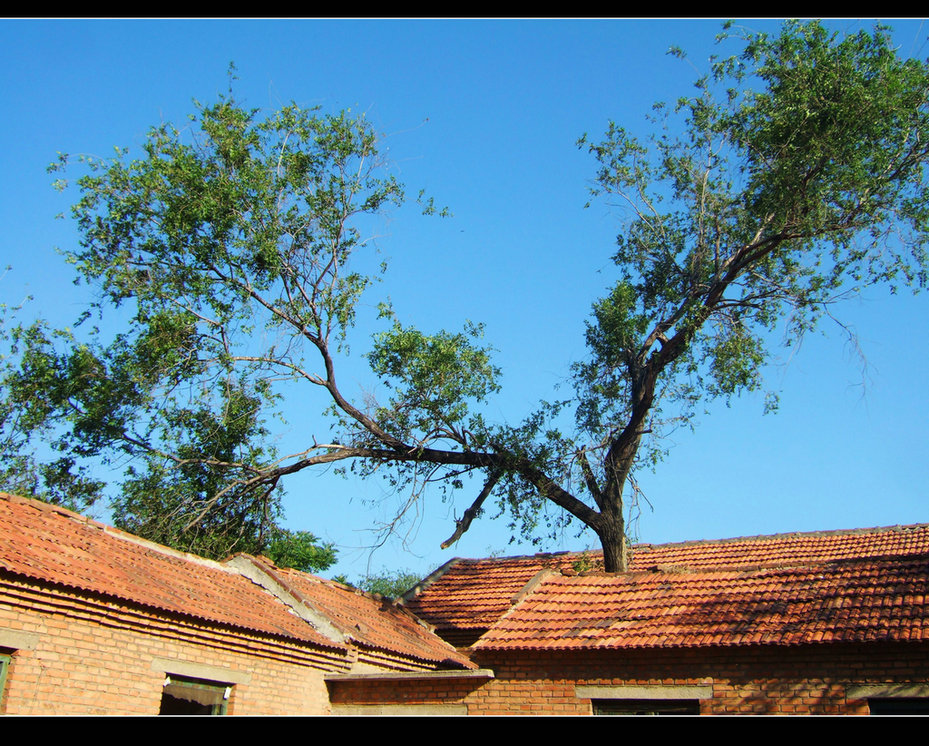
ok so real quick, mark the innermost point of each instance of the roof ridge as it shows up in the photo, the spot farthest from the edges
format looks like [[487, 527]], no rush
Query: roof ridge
[[897, 528], [384, 601], [669, 568], [266, 575], [48, 507], [380, 605]]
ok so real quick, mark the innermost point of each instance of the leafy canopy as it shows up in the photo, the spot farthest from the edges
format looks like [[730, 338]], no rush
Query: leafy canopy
[[794, 176], [391, 584], [227, 246]]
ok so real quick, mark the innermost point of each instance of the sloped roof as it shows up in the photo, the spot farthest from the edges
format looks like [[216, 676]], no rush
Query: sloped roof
[[779, 589], [783, 550], [850, 601], [371, 621], [53, 545], [474, 593]]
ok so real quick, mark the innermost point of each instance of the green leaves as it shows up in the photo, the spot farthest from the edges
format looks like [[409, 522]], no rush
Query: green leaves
[[230, 245], [797, 174], [793, 174], [735, 358], [216, 218], [435, 377], [798, 159], [300, 550], [195, 496], [389, 584], [617, 326], [834, 137]]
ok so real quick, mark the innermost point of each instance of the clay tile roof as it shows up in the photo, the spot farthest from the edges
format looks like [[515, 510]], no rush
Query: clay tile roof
[[849, 601], [473, 594], [50, 544], [781, 550], [372, 622], [467, 594]]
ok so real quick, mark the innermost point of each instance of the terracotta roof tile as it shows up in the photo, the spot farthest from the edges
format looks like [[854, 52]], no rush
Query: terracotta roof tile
[[54, 545], [782, 550], [372, 622], [474, 594], [846, 601]]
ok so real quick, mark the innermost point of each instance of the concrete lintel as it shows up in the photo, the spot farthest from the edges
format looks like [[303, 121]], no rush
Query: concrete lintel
[[661, 691], [471, 673], [201, 671], [399, 710], [884, 691], [18, 640]]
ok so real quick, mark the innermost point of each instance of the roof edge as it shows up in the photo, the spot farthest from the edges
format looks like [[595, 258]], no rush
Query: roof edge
[[897, 528], [423, 584], [116, 533], [263, 575]]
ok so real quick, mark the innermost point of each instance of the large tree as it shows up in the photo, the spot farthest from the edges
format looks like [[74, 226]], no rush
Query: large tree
[[795, 174]]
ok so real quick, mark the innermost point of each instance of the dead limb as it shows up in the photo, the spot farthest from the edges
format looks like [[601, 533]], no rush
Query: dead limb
[[471, 513]]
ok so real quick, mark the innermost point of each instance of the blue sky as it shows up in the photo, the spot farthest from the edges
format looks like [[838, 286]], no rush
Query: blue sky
[[484, 115]]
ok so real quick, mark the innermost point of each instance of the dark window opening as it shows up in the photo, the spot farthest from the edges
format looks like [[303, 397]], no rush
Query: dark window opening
[[646, 706], [899, 706], [5, 660], [186, 696]]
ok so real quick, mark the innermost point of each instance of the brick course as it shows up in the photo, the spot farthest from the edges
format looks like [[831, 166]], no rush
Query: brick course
[[94, 656]]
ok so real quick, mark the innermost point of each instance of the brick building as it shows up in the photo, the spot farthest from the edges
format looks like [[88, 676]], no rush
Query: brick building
[[828, 623], [96, 621]]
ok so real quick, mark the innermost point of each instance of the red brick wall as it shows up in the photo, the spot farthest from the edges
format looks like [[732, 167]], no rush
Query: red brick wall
[[792, 680], [428, 691], [93, 656]]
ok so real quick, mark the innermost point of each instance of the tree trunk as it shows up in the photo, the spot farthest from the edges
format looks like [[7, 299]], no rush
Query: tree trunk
[[611, 529], [615, 556]]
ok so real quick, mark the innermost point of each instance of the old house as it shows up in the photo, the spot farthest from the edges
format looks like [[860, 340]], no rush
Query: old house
[[96, 621], [834, 623]]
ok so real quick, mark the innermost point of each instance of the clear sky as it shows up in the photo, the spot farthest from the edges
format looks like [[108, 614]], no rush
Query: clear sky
[[485, 116]]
